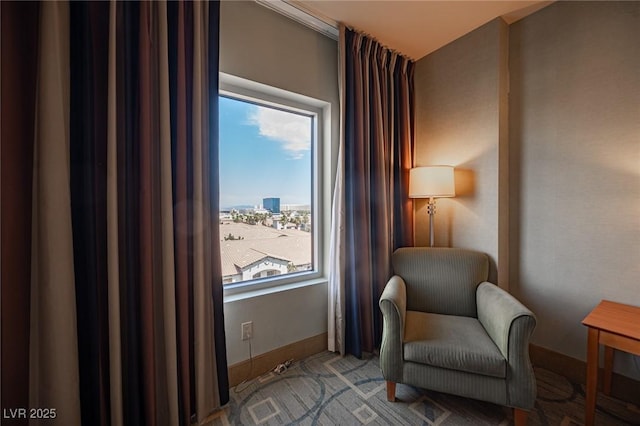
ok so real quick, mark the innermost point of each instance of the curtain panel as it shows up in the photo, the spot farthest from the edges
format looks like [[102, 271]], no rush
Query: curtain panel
[[372, 214], [19, 58], [124, 288]]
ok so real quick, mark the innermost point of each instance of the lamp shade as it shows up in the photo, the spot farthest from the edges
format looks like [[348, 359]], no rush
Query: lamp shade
[[431, 181]]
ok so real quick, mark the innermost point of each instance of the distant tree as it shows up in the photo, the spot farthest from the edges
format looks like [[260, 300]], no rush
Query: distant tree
[[304, 219], [296, 221], [260, 218], [286, 218], [251, 219]]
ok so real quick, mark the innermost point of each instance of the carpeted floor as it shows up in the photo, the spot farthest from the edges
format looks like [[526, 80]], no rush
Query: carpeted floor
[[326, 389]]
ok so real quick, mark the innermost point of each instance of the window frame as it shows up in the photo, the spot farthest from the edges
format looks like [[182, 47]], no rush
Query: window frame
[[260, 94]]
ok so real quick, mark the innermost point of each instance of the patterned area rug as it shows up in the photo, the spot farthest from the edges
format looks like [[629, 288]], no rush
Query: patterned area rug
[[327, 389]]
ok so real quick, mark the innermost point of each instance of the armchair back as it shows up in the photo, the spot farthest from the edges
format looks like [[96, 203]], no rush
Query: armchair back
[[441, 280]]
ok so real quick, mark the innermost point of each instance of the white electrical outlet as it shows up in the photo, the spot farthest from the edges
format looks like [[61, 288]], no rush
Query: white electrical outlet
[[247, 330]]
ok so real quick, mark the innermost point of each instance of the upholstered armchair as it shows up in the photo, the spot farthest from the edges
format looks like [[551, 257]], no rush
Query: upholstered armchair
[[447, 329]]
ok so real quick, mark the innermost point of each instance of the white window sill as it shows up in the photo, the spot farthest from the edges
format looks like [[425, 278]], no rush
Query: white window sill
[[237, 293]]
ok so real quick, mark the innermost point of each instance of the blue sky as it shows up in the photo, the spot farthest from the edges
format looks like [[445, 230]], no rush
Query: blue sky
[[264, 152]]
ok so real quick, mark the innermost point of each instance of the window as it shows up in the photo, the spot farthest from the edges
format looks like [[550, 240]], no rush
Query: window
[[269, 273], [269, 186]]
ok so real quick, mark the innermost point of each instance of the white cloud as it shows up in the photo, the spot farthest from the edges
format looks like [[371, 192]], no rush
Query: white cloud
[[293, 131]]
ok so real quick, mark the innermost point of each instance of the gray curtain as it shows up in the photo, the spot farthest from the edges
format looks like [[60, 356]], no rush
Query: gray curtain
[[124, 287], [372, 214]]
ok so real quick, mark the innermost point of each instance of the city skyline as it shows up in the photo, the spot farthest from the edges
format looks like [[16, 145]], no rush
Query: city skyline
[[264, 153]]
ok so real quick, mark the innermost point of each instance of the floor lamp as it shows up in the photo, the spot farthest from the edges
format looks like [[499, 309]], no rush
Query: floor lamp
[[431, 182]]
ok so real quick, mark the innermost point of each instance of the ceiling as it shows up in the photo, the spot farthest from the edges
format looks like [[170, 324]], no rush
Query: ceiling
[[417, 28]]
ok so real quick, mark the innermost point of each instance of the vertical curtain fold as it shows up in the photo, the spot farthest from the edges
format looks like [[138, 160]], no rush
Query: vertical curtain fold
[[88, 144], [128, 160], [148, 221], [371, 213], [403, 103], [182, 141], [168, 302], [18, 78], [212, 177], [125, 321], [53, 360], [113, 261], [206, 252]]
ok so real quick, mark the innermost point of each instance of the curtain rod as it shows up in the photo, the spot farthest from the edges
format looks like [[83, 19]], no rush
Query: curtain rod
[[299, 13]]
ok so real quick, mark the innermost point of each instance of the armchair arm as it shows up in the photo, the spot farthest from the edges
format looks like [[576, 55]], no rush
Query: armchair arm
[[510, 325], [393, 304]]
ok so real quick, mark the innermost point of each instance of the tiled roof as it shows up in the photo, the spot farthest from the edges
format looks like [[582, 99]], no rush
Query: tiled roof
[[260, 242]]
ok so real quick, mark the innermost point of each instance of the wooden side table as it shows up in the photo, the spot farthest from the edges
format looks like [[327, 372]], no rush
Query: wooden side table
[[616, 326]]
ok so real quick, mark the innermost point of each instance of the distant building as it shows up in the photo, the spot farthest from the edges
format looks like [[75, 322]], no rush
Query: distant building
[[296, 207], [271, 204]]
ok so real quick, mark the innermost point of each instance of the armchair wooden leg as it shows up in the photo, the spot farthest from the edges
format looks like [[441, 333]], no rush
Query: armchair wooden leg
[[520, 417], [391, 391]]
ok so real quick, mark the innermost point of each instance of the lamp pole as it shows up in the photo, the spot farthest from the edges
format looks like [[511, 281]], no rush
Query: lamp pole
[[431, 211]]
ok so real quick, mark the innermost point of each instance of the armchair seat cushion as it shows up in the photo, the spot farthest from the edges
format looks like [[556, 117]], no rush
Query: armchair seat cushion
[[452, 342]]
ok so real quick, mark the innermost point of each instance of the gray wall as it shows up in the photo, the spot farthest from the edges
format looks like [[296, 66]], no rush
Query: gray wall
[[458, 106], [263, 46], [569, 232], [575, 157]]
